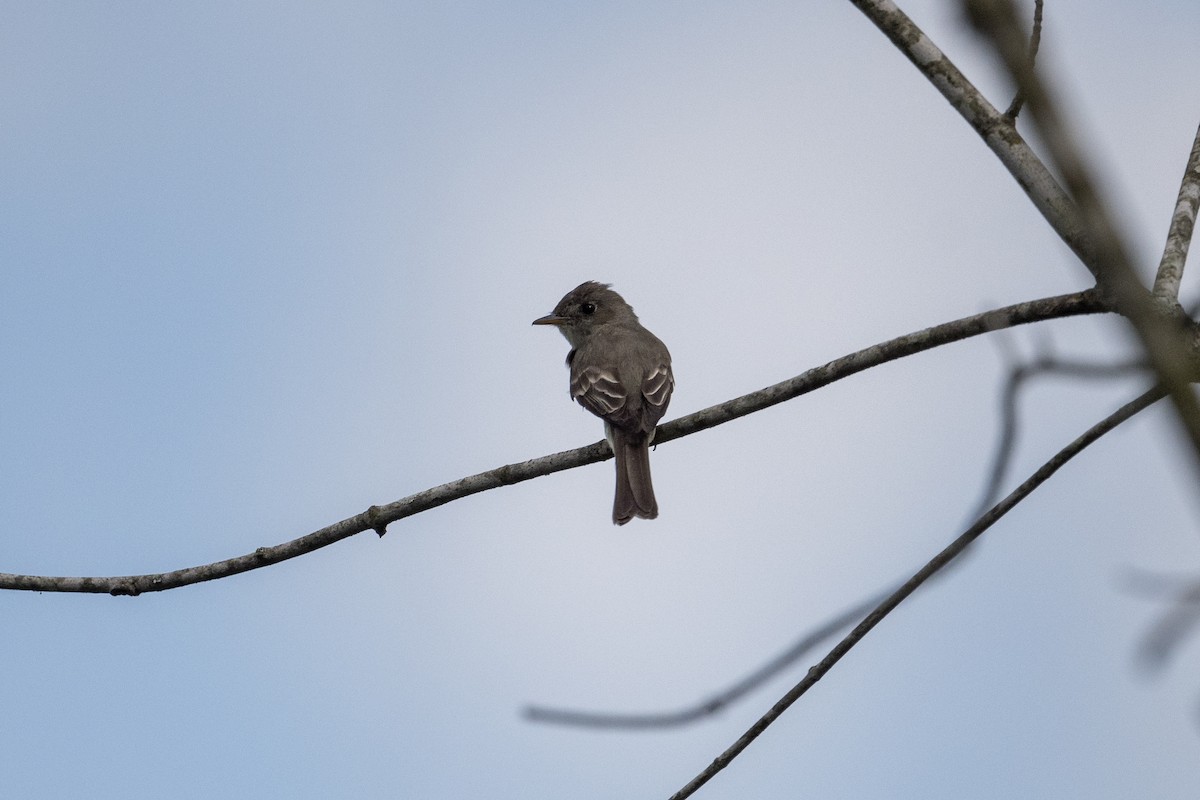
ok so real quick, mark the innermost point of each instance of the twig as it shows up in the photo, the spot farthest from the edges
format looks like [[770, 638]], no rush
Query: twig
[[943, 558], [1066, 305], [1179, 234], [1035, 40], [377, 518]]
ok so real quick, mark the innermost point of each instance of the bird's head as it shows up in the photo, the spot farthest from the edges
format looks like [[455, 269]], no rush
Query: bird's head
[[585, 308]]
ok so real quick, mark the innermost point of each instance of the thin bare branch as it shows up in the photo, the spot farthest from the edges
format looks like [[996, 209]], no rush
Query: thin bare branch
[[1035, 41], [720, 700], [377, 518], [939, 561], [1179, 235], [1066, 305]]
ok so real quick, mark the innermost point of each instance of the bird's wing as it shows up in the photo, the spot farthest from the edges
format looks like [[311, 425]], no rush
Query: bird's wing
[[599, 390], [657, 387]]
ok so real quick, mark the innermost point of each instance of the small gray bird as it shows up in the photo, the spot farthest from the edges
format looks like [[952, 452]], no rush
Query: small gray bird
[[620, 372]]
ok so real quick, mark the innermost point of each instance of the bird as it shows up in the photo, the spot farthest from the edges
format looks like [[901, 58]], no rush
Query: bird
[[620, 372]]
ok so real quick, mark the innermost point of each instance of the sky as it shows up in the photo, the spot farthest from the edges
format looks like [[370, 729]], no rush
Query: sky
[[265, 264]]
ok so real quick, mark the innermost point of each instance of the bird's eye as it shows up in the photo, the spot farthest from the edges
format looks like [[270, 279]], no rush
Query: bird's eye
[[588, 308]]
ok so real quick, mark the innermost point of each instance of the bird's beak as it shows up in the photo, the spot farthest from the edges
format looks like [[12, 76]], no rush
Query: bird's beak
[[550, 319]]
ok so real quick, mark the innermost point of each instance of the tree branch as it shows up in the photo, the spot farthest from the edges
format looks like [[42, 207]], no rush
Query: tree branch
[[1179, 235], [1067, 305], [939, 561], [377, 518], [1035, 41]]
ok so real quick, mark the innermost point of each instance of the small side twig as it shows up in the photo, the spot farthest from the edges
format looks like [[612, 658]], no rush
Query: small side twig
[[1035, 41], [939, 561]]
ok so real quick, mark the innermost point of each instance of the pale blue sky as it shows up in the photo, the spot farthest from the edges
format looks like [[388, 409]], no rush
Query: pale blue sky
[[264, 264]]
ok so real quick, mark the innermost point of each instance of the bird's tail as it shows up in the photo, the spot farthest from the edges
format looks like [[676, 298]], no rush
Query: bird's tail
[[635, 491]]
